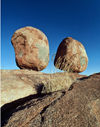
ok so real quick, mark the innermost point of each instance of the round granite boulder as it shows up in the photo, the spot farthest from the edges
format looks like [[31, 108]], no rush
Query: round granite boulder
[[31, 48], [71, 56]]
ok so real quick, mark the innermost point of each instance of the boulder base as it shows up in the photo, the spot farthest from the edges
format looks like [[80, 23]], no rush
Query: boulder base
[[16, 84]]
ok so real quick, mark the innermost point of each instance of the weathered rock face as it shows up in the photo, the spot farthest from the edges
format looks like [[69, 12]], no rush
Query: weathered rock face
[[16, 84], [78, 107], [31, 48], [71, 56]]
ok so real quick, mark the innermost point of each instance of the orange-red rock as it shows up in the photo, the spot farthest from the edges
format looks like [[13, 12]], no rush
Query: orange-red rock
[[71, 55], [31, 48]]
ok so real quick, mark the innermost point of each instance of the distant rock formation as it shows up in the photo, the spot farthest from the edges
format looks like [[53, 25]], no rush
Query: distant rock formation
[[78, 106], [31, 48], [71, 56]]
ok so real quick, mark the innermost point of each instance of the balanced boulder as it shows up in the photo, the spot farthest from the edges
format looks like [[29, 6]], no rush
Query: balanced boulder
[[31, 48], [71, 56]]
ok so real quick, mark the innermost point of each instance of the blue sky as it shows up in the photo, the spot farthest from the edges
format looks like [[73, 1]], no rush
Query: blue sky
[[58, 19]]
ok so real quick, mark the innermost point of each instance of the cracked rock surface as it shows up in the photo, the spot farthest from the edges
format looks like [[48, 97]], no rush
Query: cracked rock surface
[[76, 107]]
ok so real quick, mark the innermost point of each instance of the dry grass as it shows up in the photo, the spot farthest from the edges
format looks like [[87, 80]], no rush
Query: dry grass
[[59, 82], [65, 65], [56, 83]]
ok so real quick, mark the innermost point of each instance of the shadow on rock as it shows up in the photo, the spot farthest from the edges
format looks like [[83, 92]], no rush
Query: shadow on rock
[[8, 109]]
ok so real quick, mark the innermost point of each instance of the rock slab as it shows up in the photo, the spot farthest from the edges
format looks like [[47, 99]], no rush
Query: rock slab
[[78, 107], [71, 56], [17, 84], [31, 48]]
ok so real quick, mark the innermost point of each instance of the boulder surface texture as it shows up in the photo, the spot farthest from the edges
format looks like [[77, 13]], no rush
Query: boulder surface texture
[[76, 107], [31, 48], [71, 56]]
